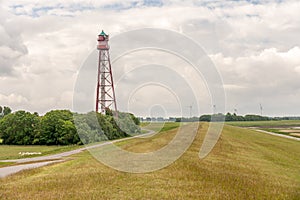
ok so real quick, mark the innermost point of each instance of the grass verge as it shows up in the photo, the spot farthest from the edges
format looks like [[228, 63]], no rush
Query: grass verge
[[160, 126], [5, 164]]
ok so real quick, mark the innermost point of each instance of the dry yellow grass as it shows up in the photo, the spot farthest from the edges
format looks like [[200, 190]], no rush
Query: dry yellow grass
[[290, 131], [295, 134], [244, 165]]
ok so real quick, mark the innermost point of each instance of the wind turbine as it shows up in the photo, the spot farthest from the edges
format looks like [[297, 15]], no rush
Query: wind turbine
[[235, 110], [215, 109], [261, 109], [191, 108]]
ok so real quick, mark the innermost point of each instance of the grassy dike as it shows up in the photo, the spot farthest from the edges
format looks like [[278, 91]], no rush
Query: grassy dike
[[243, 165]]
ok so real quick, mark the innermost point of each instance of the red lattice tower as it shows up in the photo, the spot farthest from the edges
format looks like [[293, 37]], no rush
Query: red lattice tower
[[105, 98]]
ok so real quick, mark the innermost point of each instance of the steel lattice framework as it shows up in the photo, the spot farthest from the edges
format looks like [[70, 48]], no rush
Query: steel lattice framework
[[105, 94]]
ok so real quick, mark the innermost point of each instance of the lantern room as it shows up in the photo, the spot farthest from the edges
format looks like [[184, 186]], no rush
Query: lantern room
[[103, 41]]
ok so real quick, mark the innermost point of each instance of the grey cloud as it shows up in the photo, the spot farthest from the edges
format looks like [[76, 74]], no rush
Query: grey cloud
[[268, 78], [11, 45]]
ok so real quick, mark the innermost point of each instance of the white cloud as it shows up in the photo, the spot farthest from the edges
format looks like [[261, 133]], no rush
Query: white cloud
[[297, 69], [13, 99], [255, 46], [266, 78]]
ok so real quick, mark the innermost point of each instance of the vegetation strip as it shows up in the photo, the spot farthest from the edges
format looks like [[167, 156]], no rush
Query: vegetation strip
[[279, 135]]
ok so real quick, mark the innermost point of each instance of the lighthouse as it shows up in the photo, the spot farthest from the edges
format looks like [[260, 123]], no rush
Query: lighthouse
[[105, 93]]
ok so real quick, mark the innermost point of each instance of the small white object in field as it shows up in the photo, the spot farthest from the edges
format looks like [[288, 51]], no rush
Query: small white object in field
[[29, 153]]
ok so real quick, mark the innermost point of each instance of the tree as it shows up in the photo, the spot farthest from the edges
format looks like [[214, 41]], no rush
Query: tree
[[57, 128], [126, 124], [6, 110], [205, 118], [86, 134], [229, 117], [135, 119], [88, 127], [68, 134], [178, 119], [256, 118], [18, 128], [218, 117]]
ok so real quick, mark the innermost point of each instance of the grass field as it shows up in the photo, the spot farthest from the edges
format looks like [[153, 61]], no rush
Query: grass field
[[285, 127], [12, 151], [160, 126], [267, 124], [243, 165], [4, 164]]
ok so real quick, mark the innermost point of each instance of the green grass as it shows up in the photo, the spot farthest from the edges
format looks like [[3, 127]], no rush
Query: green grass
[[12, 151], [244, 164], [4, 164], [170, 125], [282, 123], [144, 124], [160, 126]]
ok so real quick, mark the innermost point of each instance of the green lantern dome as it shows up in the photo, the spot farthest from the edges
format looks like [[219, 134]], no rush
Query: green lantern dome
[[102, 33]]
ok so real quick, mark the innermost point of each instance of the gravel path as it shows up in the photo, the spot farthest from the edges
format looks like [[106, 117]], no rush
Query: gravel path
[[5, 171]]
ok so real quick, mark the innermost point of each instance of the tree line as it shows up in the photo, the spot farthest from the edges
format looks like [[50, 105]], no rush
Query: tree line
[[62, 127], [232, 117]]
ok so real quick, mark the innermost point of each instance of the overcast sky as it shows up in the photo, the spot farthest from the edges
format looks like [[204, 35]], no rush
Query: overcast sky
[[254, 45]]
